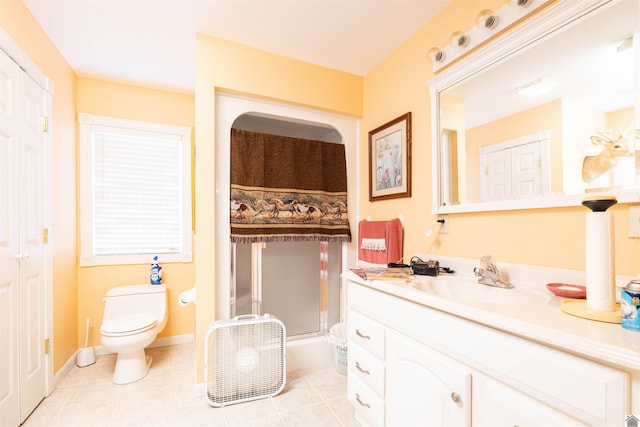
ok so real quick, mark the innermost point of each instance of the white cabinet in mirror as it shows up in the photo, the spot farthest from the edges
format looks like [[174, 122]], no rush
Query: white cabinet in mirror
[[583, 51]]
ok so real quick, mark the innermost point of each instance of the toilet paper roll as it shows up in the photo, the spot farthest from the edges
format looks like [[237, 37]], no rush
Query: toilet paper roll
[[600, 274], [187, 297]]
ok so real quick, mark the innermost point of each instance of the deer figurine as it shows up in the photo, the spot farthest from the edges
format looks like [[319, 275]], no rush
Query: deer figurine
[[615, 145]]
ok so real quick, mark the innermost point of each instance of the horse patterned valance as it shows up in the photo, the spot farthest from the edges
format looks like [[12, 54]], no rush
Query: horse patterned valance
[[287, 189]]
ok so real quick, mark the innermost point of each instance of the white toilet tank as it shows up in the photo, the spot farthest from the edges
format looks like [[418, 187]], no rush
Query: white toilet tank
[[135, 299]]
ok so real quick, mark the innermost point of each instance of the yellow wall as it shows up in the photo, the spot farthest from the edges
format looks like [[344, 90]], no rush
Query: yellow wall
[[18, 22], [134, 103], [396, 86], [550, 237], [225, 66]]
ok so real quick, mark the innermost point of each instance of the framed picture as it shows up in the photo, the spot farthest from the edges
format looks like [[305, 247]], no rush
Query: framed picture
[[390, 160]]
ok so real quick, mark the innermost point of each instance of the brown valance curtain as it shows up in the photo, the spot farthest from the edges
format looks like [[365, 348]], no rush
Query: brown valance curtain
[[287, 189]]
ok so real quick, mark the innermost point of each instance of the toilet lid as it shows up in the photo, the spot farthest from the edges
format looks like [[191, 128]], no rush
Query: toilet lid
[[127, 324]]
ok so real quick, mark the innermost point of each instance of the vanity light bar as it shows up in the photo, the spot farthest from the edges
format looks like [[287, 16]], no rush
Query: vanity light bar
[[487, 25]]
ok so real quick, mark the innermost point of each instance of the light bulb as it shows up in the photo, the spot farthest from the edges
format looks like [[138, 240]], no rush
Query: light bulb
[[436, 55], [459, 39], [486, 19], [521, 3]]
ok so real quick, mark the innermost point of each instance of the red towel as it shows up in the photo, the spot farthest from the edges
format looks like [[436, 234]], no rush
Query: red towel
[[379, 242]]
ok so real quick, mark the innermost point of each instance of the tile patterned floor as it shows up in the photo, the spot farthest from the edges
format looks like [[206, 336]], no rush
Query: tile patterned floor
[[168, 397]]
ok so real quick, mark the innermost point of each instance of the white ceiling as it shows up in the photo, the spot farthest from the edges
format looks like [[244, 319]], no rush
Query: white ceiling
[[152, 42]]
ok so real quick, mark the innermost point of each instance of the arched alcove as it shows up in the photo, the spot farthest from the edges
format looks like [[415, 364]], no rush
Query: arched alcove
[[285, 279], [270, 117]]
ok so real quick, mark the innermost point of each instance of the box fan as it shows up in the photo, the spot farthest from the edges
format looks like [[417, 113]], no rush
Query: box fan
[[245, 359]]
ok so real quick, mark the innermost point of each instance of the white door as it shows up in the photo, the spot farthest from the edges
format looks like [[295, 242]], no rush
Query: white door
[[513, 169], [526, 170], [23, 380], [499, 175], [31, 272], [424, 387], [9, 375]]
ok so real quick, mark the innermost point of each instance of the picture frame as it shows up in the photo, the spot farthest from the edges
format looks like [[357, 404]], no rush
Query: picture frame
[[390, 160]]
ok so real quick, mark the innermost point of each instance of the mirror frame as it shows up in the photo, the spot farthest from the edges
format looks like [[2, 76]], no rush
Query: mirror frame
[[532, 31]]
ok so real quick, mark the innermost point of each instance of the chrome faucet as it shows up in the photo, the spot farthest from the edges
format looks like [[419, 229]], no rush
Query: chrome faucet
[[488, 274]]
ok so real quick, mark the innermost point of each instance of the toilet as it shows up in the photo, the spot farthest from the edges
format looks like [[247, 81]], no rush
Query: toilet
[[133, 316]]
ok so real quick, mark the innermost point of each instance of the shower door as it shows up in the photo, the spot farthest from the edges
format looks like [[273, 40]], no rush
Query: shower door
[[298, 282]]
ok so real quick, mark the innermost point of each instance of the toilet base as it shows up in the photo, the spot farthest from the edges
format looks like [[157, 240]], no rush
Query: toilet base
[[131, 367]]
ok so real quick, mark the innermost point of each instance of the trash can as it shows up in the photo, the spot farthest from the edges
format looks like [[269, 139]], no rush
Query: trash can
[[338, 337]]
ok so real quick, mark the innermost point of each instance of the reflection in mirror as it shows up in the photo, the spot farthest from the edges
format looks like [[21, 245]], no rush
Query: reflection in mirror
[[541, 114]]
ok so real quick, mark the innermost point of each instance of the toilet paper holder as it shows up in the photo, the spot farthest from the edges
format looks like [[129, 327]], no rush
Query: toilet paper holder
[[187, 297]]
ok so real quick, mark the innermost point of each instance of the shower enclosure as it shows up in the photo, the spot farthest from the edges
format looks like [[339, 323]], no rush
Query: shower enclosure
[[299, 282]]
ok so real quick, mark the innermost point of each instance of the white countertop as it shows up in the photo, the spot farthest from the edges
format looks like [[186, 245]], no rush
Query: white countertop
[[543, 322]]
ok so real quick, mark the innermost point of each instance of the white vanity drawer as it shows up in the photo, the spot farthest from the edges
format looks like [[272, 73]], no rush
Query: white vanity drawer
[[367, 404], [367, 333], [367, 368]]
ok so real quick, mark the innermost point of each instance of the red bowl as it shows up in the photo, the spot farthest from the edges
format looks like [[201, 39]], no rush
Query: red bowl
[[567, 290]]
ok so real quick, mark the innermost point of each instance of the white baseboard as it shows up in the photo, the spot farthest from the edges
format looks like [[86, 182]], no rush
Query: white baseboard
[[62, 372], [159, 342], [101, 351], [174, 340], [300, 354]]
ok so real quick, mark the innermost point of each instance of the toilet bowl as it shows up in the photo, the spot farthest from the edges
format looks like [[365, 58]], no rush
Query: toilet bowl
[[133, 317]]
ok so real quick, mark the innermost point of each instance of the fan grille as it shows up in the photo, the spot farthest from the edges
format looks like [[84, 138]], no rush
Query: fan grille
[[245, 360]]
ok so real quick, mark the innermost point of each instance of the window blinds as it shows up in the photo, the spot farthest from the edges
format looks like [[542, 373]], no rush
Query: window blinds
[[137, 193]]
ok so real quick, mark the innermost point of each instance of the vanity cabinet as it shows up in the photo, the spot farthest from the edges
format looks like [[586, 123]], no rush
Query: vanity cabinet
[[410, 365], [496, 404], [425, 385], [366, 373]]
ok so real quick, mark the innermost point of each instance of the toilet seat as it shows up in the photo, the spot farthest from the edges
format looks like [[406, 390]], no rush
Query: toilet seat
[[128, 324]]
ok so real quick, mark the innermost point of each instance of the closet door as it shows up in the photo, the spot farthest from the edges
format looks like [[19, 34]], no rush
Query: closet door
[[9, 375], [526, 170], [31, 240], [23, 372], [498, 175]]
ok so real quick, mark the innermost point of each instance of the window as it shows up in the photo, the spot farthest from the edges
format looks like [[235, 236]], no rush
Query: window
[[135, 189]]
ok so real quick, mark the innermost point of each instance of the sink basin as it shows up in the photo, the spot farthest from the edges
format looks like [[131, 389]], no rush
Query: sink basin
[[467, 289]]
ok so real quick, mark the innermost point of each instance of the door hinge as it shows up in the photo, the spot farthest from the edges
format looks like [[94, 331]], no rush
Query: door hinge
[[45, 124], [47, 346], [45, 235]]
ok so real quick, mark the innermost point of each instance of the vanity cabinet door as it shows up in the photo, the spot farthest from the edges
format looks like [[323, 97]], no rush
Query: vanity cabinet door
[[498, 405], [424, 387]]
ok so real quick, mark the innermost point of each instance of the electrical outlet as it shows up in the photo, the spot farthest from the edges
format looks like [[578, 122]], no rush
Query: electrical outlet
[[444, 226], [634, 221]]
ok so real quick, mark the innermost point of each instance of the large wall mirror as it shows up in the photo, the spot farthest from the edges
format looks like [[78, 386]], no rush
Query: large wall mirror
[[497, 144]]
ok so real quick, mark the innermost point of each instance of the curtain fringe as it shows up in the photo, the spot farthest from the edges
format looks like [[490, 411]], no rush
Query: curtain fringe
[[282, 238]]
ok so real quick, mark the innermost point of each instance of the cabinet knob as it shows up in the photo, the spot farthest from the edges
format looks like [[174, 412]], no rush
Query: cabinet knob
[[366, 405], [364, 371], [361, 335], [455, 397]]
